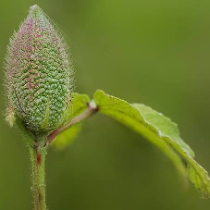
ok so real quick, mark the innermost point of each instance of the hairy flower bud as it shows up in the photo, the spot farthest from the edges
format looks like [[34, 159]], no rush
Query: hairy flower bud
[[39, 76]]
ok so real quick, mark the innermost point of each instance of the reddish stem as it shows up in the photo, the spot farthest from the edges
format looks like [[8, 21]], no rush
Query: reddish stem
[[92, 109]]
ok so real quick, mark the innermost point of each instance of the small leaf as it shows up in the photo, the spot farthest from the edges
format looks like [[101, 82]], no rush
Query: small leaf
[[77, 106], [65, 138], [160, 131], [80, 103]]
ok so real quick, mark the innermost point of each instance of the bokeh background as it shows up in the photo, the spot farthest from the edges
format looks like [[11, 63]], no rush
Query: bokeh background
[[152, 52]]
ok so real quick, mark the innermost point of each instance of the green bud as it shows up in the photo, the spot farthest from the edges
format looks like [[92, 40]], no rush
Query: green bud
[[39, 75]]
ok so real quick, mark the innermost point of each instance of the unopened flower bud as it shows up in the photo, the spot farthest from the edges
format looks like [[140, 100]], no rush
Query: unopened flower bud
[[39, 75]]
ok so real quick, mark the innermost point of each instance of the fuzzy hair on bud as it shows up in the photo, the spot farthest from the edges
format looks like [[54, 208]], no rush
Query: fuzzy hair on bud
[[39, 74]]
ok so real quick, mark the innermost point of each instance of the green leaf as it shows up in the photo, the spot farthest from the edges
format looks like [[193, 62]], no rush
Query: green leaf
[[65, 138], [78, 105], [160, 131]]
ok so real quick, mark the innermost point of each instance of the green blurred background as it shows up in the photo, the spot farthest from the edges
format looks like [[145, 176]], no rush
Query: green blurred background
[[152, 52]]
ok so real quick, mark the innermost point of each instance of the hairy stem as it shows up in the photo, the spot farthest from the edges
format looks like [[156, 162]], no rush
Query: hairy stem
[[37, 156]]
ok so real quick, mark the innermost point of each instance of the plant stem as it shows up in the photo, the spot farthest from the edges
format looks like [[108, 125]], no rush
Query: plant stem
[[37, 156]]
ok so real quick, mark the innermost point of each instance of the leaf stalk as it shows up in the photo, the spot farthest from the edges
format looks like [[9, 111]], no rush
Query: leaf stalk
[[92, 109]]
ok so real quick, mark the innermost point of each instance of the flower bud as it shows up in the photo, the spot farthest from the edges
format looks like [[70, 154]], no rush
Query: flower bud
[[39, 75]]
